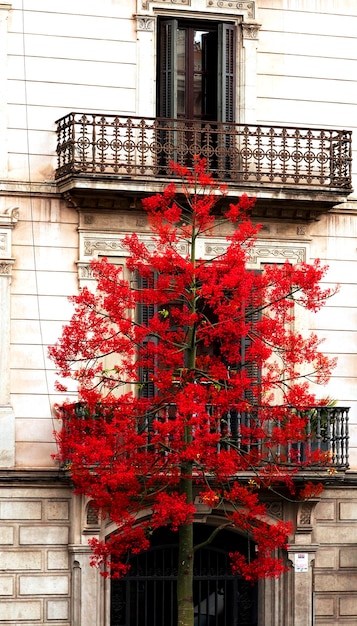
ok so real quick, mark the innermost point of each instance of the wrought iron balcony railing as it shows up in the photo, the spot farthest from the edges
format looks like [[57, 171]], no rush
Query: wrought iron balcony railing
[[114, 146], [327, 435], [326, 441]]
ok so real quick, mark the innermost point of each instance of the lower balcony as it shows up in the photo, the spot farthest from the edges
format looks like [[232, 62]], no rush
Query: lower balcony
[[325, 445], [307, 166], [327, 436]]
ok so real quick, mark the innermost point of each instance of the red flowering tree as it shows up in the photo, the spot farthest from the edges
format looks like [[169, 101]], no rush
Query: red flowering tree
[[209, 388]]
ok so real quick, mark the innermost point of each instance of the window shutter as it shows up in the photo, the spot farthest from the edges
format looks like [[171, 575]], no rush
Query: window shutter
[[167, 96], [253, 315], [145, 313], [226, 72]]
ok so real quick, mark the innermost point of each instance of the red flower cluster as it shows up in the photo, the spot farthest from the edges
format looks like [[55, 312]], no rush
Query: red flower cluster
[[191, 377]]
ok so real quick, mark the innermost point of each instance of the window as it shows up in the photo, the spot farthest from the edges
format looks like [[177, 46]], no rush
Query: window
[[196, 70], [253, 315]]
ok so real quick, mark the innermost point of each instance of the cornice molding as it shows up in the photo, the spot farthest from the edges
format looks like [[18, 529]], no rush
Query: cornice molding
[[245, 8]]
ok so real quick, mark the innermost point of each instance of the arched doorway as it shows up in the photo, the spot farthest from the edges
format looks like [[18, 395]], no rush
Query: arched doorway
[[147, 595]]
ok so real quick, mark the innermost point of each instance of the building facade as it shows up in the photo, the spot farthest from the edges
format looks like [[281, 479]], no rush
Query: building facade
[[96, 97]]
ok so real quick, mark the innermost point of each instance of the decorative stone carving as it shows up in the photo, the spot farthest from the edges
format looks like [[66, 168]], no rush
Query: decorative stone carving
[[88, 219], [295, 254], [305, 513], [146, 3], [92, 516], [70, 201], [115, 244], [261, 252], [6, 267], [104, 245], [247, 7], [275, 509], [250, 31], [145, 23], [85, 271], [9, 217], [8, 220], [301, 230]]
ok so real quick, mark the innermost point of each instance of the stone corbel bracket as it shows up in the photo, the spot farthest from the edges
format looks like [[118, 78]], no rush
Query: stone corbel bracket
[[10, 217], [250, 31], [306, 516]]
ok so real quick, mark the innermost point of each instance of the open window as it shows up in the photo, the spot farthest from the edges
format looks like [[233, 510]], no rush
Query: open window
[[196, 93], [196, 70]]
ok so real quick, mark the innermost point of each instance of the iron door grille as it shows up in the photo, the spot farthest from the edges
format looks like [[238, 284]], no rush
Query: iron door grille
[[147, 595]]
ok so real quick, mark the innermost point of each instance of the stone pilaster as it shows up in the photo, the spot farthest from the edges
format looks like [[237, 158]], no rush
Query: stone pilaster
[[302, 583], [8, 220], [248, 70], [301, 555], [145, 94]]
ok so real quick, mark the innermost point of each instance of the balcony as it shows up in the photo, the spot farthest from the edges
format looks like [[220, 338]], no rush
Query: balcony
[[307, 170], [327, 436], [326, 444]]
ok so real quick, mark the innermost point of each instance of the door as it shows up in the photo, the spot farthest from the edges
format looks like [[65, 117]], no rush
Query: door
[[147, 595]]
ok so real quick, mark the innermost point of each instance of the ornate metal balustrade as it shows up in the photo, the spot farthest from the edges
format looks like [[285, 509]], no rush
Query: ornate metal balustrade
[[326, 432], [112, 145], [327, 435]]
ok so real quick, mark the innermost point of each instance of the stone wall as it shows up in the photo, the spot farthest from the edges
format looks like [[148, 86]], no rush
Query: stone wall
[[34, 560], [335, 571]]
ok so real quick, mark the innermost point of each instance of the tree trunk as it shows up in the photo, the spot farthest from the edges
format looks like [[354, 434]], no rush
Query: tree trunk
[[185, 608]]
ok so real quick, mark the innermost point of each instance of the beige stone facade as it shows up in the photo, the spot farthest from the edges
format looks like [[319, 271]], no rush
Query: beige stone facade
[[295, 66]]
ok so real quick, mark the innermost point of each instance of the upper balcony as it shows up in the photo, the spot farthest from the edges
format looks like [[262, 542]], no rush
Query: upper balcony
[[295, 173]]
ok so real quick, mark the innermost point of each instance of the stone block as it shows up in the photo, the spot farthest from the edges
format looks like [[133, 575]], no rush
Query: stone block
[[36, 454], [44, 535], [31, 429], [325, 510], [325, 559], [44, 585], [348, 510], [6, 586], [348, 606], [57, 559], [57, 510], [20, 611], [335, 582], [325, 606], [12, 560], [6, 535], [57, 609], [348, 557], [20, 510], [343, 534]]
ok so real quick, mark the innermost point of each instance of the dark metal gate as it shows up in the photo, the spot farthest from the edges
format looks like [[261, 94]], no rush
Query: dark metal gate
[[147, 596]]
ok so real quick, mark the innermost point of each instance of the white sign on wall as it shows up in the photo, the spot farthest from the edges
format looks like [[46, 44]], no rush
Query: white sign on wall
[[301, 562]]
